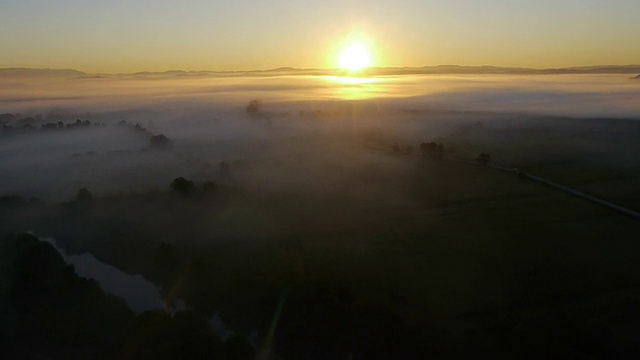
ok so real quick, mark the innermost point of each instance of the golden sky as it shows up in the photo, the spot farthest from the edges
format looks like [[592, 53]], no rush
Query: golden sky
[[157, 35]]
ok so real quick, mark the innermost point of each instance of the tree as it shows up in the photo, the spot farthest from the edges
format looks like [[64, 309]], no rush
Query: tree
[[159, 142], [49, 312], [49, 126], [84, 195], [254, 107], [183, 187], [209, 187], [6, 118], [432, 150]]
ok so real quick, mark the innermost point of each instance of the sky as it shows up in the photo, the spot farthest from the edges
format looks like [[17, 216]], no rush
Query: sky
[[119, 36]]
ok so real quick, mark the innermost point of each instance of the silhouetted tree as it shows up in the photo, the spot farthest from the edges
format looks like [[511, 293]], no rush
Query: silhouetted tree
[[84, 195], [29, 120], [49, 126], [183, 187], [6, 118], [49, 312], [254, 107], [28, 127], [432, 150], [209, 187], [159, 141]]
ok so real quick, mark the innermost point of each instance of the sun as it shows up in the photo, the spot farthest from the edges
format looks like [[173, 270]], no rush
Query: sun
[[354, 57]]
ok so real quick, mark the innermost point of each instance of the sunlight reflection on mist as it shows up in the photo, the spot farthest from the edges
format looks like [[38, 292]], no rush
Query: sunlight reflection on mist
[[571, 95], [355, 88]]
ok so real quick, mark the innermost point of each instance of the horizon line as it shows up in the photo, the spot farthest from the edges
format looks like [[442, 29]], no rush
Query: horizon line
[[631, 68]]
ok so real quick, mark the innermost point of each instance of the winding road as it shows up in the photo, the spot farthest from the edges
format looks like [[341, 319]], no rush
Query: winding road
[[526, 175], [523, 174]]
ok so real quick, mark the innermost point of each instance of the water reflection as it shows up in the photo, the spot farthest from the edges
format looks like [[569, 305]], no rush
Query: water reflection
[[140, 294]]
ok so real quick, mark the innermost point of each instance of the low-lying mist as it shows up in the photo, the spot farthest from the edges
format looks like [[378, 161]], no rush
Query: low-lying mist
[[280, 132]]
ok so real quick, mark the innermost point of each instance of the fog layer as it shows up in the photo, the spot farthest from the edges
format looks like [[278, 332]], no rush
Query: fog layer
[[295, 119]]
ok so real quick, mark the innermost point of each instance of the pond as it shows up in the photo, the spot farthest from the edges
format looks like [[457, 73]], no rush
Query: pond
[[140, 294]]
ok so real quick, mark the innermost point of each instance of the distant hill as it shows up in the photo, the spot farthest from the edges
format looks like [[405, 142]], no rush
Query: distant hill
[[426, 70], [458, 69], [374, 71], [23, 72]]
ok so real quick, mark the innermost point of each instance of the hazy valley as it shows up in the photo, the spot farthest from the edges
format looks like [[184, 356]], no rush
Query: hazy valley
[[241, 195]]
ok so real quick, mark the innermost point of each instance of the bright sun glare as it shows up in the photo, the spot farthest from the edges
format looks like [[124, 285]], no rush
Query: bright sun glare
[[355, 57]]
